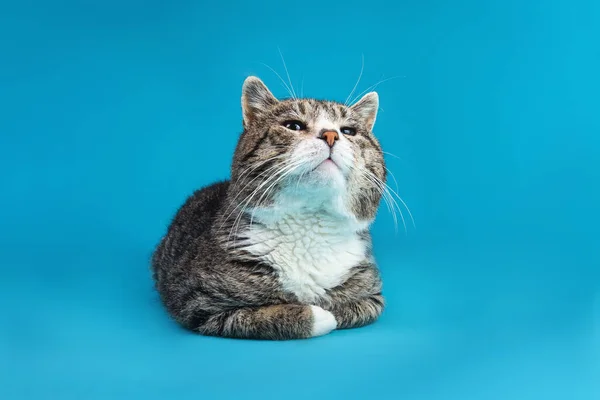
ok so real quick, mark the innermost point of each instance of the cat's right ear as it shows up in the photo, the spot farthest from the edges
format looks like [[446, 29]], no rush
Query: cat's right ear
[[256, 99]]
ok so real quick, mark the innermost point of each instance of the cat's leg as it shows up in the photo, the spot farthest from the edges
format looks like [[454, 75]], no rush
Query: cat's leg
[[276, 322], [358, 301], [356, 313]]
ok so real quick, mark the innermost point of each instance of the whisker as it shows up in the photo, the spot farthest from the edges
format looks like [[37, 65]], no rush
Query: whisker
[[281, 79], [287, 73], [373, 87], [242, 190], [249, 198], [268, 170], [393, 177], [387, 202], [253, 167], [243, 204], [399, 198], [272, 186], [404, 204], [362, 67], [386, 196], [391, 154]]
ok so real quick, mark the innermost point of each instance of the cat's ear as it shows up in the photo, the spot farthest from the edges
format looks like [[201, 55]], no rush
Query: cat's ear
[[256, 98], [367, 108]]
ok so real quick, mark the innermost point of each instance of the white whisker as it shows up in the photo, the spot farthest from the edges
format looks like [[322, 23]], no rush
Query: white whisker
[[243, 204], [393, 177], [281, 79], [268, 170], [399, 198], [388, 203], [291, 169], [283, 169], [391, 154], [362, 67], [372, 87], [287, 73]]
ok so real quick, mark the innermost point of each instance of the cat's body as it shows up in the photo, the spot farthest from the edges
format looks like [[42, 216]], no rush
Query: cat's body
[[282, 250]]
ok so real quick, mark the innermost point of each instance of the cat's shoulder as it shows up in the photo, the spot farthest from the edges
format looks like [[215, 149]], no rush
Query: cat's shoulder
[[210, 192], [210, 195], [203, 203]]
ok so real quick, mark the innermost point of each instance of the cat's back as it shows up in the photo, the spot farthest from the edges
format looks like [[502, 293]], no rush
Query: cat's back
[[192, 222], [200, 209]]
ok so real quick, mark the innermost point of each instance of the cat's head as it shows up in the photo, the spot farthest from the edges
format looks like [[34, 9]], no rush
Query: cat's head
[[312, 150]]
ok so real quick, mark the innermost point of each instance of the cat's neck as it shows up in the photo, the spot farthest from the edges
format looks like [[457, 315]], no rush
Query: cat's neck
[[320, 205], [311, 241]]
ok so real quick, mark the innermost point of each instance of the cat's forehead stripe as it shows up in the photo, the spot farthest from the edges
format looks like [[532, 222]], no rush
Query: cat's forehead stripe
[[313, 109]]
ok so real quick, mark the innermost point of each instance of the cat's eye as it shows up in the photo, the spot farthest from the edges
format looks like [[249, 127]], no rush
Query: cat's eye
[[346, 130], [294, 125]]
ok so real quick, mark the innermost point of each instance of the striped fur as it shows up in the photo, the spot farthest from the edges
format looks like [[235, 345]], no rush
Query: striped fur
[[225, 266]]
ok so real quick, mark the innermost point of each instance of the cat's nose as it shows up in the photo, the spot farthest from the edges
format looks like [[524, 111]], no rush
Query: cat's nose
[[330, 137]]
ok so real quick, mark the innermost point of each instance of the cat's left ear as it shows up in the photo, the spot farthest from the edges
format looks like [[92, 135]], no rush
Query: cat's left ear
[[256, 99], [367, 108]]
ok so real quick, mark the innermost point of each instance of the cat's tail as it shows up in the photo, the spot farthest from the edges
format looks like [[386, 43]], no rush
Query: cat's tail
[[276, 322]]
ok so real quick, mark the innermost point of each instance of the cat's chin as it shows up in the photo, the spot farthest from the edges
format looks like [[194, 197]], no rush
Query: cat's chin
[[327, 173], [329, 166]]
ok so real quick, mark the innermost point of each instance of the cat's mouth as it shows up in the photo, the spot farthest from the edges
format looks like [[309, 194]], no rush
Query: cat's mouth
[[328, 165], [330, 160]]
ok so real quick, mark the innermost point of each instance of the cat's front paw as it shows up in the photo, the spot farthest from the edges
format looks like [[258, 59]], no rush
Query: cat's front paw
[[323, 321]]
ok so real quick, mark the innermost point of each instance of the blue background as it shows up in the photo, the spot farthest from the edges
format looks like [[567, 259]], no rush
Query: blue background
[[112, 112]]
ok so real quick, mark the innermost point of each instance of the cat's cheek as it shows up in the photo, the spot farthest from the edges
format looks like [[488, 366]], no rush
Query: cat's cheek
[[310, 152], [343, 155]]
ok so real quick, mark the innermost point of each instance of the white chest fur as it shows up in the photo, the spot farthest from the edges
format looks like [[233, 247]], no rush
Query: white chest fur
[[312, 251]]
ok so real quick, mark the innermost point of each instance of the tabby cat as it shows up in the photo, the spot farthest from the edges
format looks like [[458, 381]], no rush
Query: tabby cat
[[282, 250]]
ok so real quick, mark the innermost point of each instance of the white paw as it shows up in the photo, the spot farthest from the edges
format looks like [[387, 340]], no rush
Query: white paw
[[323, 321]]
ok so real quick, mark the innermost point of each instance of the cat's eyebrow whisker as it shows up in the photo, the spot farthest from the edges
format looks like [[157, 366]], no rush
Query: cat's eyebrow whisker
[[373, 87], [287, 73], [362, 67], [281, 79]]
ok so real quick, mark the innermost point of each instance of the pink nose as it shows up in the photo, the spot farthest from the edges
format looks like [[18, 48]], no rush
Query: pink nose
[[330, 137]]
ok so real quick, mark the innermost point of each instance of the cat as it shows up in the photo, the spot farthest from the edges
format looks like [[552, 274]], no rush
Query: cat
[[282, 250]]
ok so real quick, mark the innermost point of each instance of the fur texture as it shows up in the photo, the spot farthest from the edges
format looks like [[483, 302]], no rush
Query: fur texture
[[282, 250]]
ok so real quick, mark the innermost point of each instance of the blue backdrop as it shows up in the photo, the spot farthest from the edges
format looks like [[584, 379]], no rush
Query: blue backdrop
[[112, 112]]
